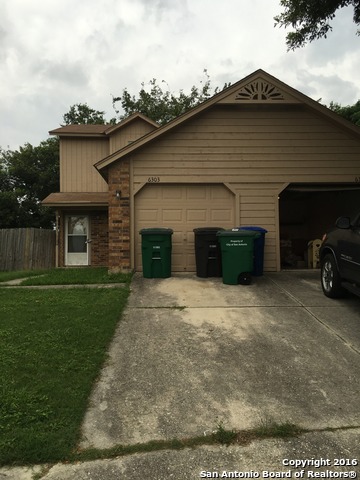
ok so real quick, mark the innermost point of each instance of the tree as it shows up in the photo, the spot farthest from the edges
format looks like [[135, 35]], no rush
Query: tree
[[160, 104], [81, 113], [10, 211], [27, 176], [8, 201], [310, 19], [4, 177], [350, 112]]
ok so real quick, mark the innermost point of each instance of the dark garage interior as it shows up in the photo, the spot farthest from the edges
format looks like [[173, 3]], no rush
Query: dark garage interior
[[306, 212]]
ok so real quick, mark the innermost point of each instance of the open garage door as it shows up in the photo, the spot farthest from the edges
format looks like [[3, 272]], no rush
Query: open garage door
[[307, 211], [182, 208]]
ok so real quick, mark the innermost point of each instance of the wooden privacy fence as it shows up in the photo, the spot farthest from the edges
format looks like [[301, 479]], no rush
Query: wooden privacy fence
[[27, 249]]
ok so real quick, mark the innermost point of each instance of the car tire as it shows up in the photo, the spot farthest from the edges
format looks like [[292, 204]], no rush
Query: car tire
[[330, 278]]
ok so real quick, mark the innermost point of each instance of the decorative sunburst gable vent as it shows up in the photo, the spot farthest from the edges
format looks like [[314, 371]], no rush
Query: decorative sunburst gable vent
[[261, 91]]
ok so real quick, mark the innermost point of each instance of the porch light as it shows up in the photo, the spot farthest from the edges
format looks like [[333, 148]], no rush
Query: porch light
[[118, 194]]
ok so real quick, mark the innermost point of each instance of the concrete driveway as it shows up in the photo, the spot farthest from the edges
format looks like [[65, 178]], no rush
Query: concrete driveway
[[191, 353]]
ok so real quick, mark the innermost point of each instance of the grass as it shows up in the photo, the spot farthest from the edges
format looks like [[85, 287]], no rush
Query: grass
[[224, 436], [269, 428], [220, 436], [67, 276], [13, 275], [52, 346], [266, 429]]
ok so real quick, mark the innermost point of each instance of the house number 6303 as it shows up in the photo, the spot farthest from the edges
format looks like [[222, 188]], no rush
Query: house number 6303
[[153, 179]]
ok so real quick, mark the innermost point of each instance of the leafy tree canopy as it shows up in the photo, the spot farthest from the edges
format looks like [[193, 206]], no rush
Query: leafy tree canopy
[[159, 103], [350, 112], [81, 113], [310, 19], [27, 176]]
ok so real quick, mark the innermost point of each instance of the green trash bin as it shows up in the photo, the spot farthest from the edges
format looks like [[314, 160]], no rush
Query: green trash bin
[[156, 252], [237, 253]]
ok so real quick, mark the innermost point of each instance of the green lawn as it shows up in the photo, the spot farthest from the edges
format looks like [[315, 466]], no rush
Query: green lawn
[[66, 276], [52, 346], [6, 276]]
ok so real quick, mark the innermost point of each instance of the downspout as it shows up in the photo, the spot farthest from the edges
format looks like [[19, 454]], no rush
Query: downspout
[[57, 226]]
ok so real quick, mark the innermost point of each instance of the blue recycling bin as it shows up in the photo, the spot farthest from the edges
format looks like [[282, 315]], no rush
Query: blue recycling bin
[[259, 246]]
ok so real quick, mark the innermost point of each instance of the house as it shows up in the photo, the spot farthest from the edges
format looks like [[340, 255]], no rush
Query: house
[[257, 153]]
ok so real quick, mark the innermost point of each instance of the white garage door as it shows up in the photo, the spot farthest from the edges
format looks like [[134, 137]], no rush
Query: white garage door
[[182, 208]]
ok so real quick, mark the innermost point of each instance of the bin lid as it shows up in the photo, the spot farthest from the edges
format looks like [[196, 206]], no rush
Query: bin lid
[[255, 229], [206, 230], [156, 231], [238, 232]]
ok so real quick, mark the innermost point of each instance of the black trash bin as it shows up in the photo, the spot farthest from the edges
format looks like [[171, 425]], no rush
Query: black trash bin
[[207, 252], [156, 249]]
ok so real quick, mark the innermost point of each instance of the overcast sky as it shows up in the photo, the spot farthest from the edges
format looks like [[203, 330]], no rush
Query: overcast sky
[[54, 54]]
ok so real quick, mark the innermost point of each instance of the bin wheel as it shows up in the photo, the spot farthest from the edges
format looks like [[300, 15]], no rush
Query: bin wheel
[[245, 278]]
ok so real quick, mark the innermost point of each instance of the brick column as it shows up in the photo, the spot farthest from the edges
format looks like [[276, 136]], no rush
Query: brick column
[[119, 217], [99, 239]]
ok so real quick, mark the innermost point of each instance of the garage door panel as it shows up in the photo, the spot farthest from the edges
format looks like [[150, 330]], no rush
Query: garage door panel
[[153, 195], [190, 261], [177, 238], [182, 208], [196, 215], [221, 216], [170, 193], [219, 194], [172, 216], [199, 194], [149, 215], [189, 236]]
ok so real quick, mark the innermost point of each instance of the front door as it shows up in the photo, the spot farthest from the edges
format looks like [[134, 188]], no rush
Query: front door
[[76, 244]]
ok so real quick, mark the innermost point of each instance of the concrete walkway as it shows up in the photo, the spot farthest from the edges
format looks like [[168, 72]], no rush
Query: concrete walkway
[[17, 284], [191, 353]]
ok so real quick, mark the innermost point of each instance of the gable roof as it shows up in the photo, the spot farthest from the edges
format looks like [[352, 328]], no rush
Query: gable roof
[[257, 88], [97, 130]]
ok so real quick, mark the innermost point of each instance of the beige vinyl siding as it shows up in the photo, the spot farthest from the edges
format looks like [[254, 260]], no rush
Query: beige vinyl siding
[[276, 145], [258, 206], [77, 172], [129, 134]]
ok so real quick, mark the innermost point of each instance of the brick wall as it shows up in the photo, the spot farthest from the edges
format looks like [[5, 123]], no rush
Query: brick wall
[[99, 239], [119, 217]]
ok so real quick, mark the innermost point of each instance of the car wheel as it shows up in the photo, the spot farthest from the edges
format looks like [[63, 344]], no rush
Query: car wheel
[[330, 278]]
